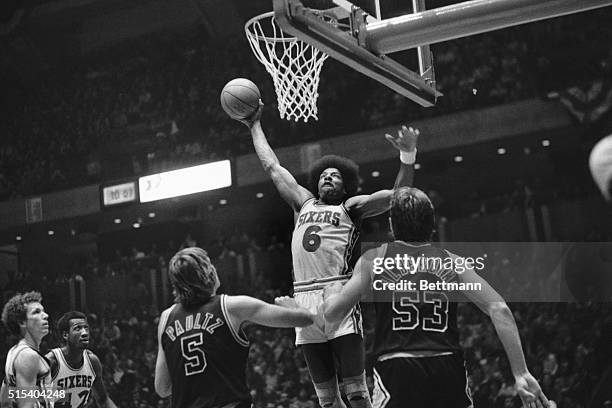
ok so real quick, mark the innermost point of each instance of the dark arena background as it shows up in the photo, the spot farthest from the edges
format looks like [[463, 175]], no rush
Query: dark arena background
[[98, 94]]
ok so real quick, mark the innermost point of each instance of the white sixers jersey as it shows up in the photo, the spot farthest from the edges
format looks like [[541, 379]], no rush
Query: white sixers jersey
[[322, 243], [76, 382]]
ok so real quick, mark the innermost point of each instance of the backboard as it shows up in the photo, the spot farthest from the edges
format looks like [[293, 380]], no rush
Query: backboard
[[345, 42], [379, 27]]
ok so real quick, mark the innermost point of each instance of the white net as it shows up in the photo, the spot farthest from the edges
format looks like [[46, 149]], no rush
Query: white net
[[294, 65]]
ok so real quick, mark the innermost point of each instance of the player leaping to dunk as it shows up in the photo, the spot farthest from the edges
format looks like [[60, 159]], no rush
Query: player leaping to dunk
[[327, 222]]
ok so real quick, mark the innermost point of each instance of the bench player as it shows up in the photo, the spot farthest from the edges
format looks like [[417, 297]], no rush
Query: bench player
[[419, 361], [327, 222], [74, 368], [26, 370], [202, 352]]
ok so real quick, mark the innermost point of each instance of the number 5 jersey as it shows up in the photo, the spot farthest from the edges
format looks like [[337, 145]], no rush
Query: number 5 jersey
[[206, 356]]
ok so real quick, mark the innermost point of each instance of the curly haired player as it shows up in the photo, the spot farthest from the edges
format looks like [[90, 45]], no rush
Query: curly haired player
[[26, 369]]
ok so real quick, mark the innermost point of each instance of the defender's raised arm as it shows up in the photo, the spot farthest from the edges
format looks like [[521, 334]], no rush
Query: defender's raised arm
[[371, 205]]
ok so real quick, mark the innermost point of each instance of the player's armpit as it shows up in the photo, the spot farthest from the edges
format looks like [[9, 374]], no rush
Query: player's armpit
[[364, 206]]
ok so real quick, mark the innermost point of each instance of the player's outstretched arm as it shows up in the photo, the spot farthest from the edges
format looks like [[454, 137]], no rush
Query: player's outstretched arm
[[491, 303], [294, 194], [100, 394], [338, 299], [286, 313], [27, 366], [163, 382], [364, 206]]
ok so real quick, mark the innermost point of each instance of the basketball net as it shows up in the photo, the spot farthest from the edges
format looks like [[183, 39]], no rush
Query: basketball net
[[294, 65]]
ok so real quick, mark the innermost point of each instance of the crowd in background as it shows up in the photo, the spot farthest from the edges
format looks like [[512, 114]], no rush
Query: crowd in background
[[153, 102], [562, 343]]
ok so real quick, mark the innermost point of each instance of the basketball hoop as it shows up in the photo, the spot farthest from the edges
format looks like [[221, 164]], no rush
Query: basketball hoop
[[294, 65]]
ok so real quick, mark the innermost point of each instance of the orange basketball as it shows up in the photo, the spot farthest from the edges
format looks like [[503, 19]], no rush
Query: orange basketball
[[240, 98]]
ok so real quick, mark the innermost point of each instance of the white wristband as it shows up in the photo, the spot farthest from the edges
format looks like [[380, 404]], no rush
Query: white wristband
[[408, 157]]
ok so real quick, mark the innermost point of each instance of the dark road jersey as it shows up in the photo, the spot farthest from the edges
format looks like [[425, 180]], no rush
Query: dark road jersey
[[206, 358], [416, 320]]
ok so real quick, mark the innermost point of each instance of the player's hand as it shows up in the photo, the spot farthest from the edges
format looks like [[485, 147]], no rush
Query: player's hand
[[286, 301], [254, 118], [530, 392], [406, 139]]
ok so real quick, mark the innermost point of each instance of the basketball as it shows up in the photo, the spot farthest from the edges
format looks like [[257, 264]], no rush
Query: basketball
[[240, 98]]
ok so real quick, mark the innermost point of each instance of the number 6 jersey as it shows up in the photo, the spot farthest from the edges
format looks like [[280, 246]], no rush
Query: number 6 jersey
[[206, 357], [322, 243]]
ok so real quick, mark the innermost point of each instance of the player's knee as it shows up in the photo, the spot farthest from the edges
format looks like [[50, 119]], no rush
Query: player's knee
[[328, 394], [356, 391]]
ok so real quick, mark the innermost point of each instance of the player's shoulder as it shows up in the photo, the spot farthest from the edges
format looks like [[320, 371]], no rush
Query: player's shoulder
[[94, 360], [233, 301], [27, 353], [354, 201], [92, 356], [164, 314], [27, 359]]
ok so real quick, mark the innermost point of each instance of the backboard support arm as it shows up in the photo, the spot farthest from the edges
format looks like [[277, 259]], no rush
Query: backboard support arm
[[465, 19]]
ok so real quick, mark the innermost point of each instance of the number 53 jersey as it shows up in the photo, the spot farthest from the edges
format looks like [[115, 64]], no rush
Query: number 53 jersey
[[416, 320], [323, 240]]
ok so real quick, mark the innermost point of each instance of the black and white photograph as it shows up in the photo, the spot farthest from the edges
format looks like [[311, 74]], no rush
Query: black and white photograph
[[306, 204]]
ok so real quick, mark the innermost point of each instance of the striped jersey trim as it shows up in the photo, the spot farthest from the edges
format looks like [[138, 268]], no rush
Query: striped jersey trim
[[381, 396], [348, 250], [315, 284], [239, 339], [468, 392], [410, 354], [61, 358]]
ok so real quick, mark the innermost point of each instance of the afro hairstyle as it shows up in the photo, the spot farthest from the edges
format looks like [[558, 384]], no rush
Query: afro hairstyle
[[348, 169]]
